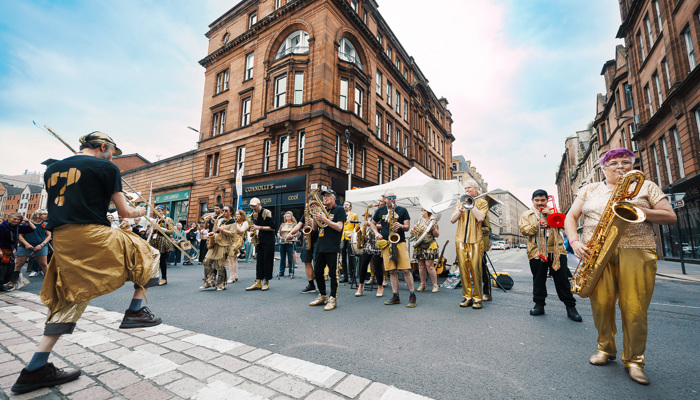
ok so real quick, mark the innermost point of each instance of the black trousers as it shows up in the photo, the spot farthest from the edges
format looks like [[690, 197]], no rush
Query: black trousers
[[203, 250], [378, 268], [264, 260], [331, 261], [539, 271], [164, 265]]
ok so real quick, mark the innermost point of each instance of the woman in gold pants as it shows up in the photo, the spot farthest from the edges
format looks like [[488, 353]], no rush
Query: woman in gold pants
[[630, 273]]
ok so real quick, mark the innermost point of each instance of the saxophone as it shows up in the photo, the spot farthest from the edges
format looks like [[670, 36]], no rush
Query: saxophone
[[393, 238], [253, 233], [618, 214]]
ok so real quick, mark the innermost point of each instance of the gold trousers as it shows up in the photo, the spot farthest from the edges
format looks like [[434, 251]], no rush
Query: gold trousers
[[469, 258], [629, 277], [63, 321]]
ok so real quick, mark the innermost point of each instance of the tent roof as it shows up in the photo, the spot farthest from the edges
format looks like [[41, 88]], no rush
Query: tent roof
[[407, 189]]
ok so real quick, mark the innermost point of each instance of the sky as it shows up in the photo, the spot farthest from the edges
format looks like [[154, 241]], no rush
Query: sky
[[520, 76]]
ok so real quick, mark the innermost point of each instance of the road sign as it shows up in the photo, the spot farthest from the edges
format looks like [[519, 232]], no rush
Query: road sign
[[679, 204]]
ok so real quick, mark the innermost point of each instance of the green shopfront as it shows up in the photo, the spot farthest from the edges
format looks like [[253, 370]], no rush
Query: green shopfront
[[278, 196], [177, 204]]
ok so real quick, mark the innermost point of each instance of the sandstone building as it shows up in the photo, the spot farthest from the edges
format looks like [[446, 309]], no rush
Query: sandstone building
[[297, 94]]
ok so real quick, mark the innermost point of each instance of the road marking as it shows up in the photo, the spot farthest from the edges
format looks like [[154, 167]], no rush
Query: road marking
[[211, 342], [512, 270], [147, 364], [673, 305], [314, 373], [87, 339]]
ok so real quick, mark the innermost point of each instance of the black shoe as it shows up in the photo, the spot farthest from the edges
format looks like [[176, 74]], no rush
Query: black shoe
[[281, 274], [393, 300], [538, 309], [46, 376], [573, 314], [309, 289], [142, 318]]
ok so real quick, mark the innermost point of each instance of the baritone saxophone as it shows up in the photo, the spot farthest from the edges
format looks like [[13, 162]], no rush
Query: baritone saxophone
[[618, 214]]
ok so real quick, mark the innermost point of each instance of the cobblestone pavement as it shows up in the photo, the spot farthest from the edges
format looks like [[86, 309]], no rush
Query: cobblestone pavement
[[165, 362]]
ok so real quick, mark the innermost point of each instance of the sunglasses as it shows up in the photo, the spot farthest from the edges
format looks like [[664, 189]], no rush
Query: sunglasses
[[391, 197]]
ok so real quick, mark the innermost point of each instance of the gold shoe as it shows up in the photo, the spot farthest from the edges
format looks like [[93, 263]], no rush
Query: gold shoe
[[466, 303], [421, 288], [600, 358], [255, 286], [487, 297], [265, 285], [163, 282], [320, 300], [331, 304], [436, 288], [637, 374], [476, 306]]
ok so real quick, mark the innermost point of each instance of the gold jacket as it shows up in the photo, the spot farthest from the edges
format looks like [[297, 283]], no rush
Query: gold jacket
[[528, 225]]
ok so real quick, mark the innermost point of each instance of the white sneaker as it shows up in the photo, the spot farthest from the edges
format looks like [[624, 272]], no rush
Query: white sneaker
[[41, 273], [34, 273]]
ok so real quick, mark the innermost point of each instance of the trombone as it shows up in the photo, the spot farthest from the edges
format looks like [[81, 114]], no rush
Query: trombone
[[131, 200]]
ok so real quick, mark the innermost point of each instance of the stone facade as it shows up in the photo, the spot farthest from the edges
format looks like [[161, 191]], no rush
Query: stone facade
[[508, 216]]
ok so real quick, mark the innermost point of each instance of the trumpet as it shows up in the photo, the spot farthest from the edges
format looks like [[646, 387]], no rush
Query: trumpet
[[207, 216]]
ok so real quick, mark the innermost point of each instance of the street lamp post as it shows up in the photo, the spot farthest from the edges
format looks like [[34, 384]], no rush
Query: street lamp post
[[350, 160]]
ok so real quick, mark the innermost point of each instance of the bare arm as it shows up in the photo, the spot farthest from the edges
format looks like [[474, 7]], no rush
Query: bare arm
[[662, 213], [580, 250], [124, 209]]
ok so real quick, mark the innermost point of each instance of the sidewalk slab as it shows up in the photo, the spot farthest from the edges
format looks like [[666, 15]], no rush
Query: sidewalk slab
[[165, 362]]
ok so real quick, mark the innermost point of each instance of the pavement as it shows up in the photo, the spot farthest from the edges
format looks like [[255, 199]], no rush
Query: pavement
[[674, 270], [165, 362]]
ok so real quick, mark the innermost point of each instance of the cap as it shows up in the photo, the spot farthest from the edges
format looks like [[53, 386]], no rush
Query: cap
[[254, 201], [329, 191], [100, 137], [160, 207]]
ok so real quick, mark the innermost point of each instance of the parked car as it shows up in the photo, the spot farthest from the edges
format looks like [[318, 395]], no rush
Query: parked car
[[523, 245], [686, 248], [498, 246]]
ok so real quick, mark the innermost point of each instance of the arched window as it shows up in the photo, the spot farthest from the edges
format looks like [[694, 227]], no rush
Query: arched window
[[347, 52], [297, 42]]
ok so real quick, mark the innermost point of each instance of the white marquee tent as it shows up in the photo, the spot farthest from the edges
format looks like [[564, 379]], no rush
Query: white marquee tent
[[407, 189]]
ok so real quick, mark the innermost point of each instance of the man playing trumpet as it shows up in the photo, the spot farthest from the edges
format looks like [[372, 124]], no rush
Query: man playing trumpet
[[470, 244]]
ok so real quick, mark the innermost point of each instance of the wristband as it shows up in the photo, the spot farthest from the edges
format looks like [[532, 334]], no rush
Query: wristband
[[571, 241]]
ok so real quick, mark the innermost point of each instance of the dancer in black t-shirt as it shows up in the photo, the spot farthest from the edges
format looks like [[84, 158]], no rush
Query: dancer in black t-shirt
[[89, 255]]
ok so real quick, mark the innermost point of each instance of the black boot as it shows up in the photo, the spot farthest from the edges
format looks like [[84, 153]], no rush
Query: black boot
[[538, 309], [573, 314]]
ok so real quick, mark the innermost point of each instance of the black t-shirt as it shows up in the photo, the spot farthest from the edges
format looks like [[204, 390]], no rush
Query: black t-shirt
[[80, 189], [265, 219], [329, 238], [402, 215]]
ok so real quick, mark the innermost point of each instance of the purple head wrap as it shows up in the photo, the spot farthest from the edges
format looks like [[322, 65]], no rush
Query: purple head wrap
[[616, 153]]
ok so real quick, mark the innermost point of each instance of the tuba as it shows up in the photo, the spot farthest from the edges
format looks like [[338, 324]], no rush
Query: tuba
[[618, 214]]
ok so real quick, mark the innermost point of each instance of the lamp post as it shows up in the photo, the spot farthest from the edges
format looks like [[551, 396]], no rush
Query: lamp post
[[350, 160]]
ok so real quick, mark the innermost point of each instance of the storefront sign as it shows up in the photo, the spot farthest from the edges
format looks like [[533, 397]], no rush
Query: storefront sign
[[295, 183], [293, 198], [264, 201], [173, 196]]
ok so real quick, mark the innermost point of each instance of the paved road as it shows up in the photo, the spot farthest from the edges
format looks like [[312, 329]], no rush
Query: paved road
[[438, 349]]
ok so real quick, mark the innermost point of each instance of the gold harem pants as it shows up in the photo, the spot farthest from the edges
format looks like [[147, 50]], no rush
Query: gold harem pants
[[469, 257], [629, 277]]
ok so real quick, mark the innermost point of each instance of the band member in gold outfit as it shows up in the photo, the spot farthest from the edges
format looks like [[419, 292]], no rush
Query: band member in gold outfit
[[630, 273], [347, 259], [533, 225], [161, 243], [426, 252], [395, 220], [224, 234], [470, 245]]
